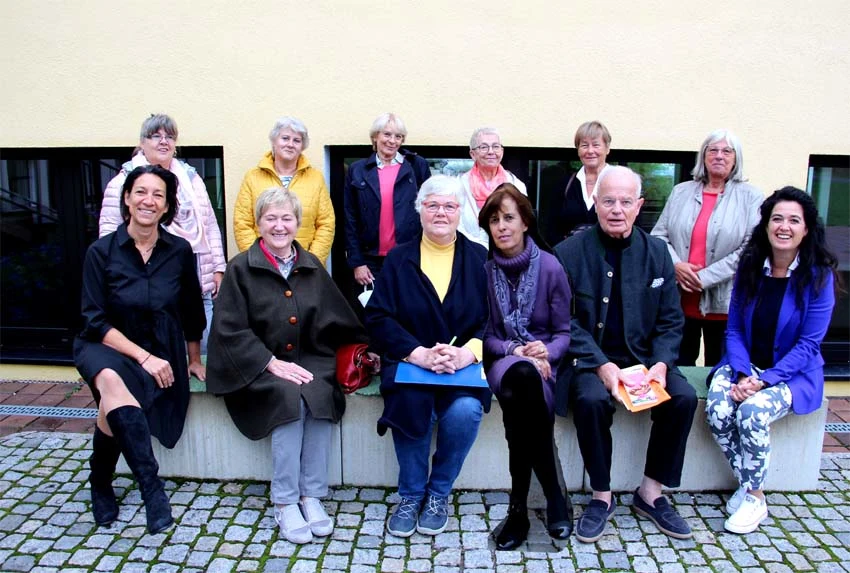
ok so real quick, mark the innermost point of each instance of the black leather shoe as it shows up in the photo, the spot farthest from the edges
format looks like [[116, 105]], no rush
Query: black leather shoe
[[559, 517], [515, 530]]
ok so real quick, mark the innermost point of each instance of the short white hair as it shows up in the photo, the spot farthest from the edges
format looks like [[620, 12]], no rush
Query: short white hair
[[473, 141], [619, 169], [442, 186], [295, 125], [737, 173]]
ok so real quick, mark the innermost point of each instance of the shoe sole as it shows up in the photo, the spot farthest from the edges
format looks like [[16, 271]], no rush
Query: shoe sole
[[402, 534], [427, 531], [744, 530], [161, 529], [664, 530]]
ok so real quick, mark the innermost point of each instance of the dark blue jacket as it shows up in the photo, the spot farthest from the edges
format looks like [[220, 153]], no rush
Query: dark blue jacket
[[363, 204], [405, 312]]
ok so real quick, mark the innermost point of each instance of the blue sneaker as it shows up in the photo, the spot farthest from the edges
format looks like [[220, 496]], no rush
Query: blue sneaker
[[434, 516], [402, 522]]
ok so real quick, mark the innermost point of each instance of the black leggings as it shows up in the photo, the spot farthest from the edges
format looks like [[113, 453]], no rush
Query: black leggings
[[529, 430]]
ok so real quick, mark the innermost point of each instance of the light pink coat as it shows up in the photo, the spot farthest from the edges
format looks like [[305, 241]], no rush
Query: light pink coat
[[208, 263]]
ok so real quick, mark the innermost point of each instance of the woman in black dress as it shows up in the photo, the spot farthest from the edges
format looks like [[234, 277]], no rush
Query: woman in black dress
[[142, 308]]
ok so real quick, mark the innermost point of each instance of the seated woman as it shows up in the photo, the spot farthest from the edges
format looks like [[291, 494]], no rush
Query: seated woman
[[142, 308], [781, 307], [527, 334], [429, 309], [279, 321]]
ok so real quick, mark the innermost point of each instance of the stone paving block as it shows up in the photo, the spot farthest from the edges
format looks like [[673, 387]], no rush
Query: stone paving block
[[109, 563]]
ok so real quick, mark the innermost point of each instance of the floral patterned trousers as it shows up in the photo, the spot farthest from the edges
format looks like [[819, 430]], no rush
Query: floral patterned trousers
[[742, 429]]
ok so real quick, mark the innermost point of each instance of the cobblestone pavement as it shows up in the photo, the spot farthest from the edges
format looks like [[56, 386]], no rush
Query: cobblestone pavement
[[46, 526]]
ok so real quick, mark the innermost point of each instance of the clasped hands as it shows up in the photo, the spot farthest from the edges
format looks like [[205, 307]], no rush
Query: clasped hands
[[745, 387], [611, 376], [441, 358], [687, 277], [537, 352]]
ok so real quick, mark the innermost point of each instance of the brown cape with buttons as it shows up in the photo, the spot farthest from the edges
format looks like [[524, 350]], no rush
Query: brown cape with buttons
[[259, 314]]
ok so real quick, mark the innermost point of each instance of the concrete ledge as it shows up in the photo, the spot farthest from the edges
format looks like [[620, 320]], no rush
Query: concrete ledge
[[212, 448]]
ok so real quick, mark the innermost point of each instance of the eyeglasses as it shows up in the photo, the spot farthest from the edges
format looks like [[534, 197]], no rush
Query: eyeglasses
[[484, 148], [449, 208], [159, 137], [725, 151]]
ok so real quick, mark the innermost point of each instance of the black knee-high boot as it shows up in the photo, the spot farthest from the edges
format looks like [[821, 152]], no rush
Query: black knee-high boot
[[105, 452], [131, 429], [559, 511], [515, 529]]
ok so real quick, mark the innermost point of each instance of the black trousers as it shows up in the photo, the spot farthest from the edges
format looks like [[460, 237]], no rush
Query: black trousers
[[529, 431], [714, 333], [593, 412]]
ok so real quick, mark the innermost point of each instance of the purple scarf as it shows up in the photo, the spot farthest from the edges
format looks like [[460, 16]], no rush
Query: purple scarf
[[525, 266]]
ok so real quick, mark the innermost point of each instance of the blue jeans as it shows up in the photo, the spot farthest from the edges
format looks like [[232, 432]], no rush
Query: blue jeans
[[457, 428], [208, 311]]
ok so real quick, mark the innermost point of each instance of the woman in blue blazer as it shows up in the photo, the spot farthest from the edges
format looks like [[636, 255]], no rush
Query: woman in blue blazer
[[781, 307]]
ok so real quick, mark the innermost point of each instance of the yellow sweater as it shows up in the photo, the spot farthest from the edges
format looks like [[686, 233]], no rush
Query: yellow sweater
[[316, 233], [436, 262]]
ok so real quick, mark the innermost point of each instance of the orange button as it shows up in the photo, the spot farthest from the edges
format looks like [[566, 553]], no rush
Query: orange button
[[289, 347], [287, 294], [292, 320]]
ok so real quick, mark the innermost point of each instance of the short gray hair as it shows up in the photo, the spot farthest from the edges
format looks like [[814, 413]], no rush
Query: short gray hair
[[737, 173], [293, 123], [156, 122], [473, 141], [621, 169], [277, 197], [383, 121], [442, 186]]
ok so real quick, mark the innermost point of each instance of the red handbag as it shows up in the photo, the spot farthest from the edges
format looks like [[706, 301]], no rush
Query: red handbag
[[354, 368]]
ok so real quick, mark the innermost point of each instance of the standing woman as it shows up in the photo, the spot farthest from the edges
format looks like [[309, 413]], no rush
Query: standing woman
[[142, 309], [485, 148], [379, 196], [194, 219], [286, 166], [706, 223], [527, 335], [577, 213], [781, 307]]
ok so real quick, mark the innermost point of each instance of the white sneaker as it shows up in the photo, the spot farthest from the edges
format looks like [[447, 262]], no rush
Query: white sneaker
[[735, 501], [314, 512], [749, 515], [292, 525]]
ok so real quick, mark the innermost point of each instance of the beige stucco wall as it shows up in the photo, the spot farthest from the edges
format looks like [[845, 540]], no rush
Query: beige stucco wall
[[660, 74]]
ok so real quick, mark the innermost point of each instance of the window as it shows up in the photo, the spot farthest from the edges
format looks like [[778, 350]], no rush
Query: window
[[829, 185], [544, 170], [49, 209]]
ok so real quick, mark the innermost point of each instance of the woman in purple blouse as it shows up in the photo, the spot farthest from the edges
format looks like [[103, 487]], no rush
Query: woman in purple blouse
[[527, 334]]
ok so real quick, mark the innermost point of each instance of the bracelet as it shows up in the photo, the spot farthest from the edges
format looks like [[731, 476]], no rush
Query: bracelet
[[146, 359]]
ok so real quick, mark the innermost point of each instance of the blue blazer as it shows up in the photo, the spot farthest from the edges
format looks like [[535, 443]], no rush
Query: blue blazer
[[797, 359]]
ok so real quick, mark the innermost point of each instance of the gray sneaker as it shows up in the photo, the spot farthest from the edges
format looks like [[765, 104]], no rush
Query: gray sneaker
[[434, 516], [402, 522]]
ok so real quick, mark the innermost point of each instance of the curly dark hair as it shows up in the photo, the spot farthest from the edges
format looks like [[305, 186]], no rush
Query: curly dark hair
[[170, 190], [816, 261]]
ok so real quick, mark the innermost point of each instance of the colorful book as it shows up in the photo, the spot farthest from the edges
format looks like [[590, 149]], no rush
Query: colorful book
[[638, 394]]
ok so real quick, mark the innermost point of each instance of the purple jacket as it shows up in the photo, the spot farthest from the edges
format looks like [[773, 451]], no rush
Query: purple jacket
[[796, 350], [550, 323]]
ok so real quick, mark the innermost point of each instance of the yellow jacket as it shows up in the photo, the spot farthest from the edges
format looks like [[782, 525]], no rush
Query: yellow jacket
[[316, 233]]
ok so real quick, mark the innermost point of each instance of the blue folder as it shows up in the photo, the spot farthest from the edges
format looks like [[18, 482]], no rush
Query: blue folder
[[472, 375]]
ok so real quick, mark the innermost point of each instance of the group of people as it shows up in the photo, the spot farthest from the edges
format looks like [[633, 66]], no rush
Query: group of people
[[462, 279]]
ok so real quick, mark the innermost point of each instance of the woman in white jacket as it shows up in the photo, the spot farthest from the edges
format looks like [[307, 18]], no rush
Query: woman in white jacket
[[485, 148], [195, 219], [706, 223]]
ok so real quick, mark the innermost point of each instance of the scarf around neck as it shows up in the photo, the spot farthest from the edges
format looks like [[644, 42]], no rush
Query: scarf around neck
[[480, 188], [527, 265], [188, 219]]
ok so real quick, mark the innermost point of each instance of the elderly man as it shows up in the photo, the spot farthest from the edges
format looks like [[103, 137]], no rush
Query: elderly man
[[485, 148], [627, 312]]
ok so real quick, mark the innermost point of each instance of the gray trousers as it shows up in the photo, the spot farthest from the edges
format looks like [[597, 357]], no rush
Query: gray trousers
[[300, 453]]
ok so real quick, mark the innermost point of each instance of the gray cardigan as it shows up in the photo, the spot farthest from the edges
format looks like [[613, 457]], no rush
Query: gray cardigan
[[729, 229]]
